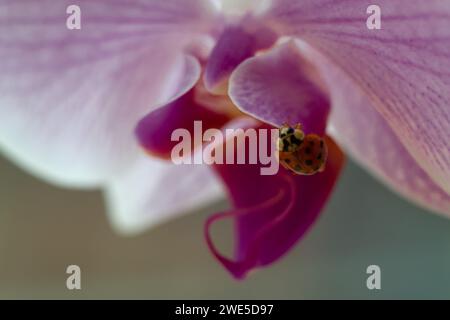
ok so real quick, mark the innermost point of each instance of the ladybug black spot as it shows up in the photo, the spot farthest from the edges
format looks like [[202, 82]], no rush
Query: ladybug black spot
[[295, 141], [308, 150], [321, 143], [319, 157], [309, 163]]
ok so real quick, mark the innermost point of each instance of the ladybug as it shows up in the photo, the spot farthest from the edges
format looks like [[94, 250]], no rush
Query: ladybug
[[299, 153]]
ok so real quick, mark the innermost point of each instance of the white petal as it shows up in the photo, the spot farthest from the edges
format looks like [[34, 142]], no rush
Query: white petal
[[154, 191], [70, 98]]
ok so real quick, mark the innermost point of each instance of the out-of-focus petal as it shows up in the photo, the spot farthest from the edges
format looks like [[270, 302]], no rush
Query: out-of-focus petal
[[271, 213], [154, 131], [70, 99], [403, 69], [281, 87], [365, 134], [242, 7], [235, 44], [153, 191]]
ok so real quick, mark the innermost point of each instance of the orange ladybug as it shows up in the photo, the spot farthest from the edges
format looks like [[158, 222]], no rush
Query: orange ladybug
[[299, 153]]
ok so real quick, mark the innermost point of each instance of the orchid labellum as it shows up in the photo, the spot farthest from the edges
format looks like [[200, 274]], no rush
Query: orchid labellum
[[96, 106]]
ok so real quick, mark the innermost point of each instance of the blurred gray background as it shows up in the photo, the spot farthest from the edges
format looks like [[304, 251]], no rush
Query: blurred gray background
[[44, 229]]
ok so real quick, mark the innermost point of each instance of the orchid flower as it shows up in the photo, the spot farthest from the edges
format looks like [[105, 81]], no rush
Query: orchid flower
[[95, 107]]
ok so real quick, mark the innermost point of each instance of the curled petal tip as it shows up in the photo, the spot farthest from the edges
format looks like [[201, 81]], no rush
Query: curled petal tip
[[271, 213]]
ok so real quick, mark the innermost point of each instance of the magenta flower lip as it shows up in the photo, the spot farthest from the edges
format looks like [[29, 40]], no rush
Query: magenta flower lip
[[80, 105], [271, 213]]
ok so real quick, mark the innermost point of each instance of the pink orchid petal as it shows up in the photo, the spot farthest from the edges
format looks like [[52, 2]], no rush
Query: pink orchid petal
[[280, 87], [152, 192], [271, 212], [235, 44], [361, 130], [154, 131], [403, 69], [71, 98]]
